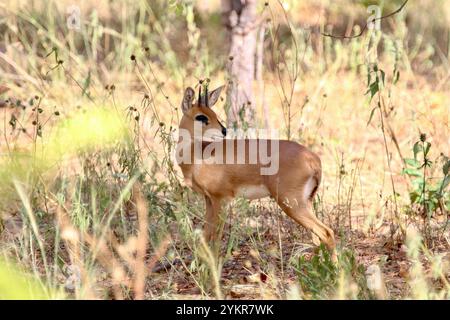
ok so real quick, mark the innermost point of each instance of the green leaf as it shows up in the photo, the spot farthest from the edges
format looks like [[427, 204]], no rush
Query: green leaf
[[373, 89], [396, 76], [427, 148], [417, 148], [383, 76], [371, 115], [418, 183], [446, 167], [412, 172], [445, 183], [412, 162], [414, 197], [86, 85]]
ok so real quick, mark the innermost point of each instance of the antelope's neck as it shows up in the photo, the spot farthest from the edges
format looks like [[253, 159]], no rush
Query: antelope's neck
[[188, 150]]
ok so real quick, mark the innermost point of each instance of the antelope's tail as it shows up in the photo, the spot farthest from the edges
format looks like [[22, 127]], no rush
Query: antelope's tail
[[317, 177]]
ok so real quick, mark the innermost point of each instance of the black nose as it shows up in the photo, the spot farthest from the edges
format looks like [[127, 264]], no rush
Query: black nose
[[224, 131]]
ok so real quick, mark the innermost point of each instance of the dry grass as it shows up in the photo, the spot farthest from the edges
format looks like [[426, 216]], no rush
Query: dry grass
[[79, 223]]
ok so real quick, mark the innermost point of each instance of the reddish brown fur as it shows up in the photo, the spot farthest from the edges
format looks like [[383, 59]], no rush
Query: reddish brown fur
[[298, 166]]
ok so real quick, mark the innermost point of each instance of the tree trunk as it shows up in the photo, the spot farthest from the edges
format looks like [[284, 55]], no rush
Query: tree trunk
[[240, 19], [259, 74]]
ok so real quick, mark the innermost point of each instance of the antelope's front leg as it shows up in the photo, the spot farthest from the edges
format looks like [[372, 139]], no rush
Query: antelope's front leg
[[211, 218]]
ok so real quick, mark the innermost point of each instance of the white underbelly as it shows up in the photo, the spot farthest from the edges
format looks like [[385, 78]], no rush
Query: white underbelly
[[253, 192]]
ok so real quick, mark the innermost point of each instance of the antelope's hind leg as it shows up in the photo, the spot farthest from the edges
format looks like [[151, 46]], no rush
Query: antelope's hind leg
[[302, 213]]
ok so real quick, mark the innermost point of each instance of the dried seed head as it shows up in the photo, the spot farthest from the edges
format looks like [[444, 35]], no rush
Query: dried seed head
[[133, 57], [423, 137]]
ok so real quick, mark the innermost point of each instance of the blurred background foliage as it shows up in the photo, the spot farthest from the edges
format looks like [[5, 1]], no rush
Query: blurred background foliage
[[89, 96]]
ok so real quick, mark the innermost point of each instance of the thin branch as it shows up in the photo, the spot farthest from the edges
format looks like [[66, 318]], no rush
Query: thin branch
[[366, 25]]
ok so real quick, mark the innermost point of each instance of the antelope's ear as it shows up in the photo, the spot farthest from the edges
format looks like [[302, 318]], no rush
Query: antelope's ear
[[188, 97], [214, 95]]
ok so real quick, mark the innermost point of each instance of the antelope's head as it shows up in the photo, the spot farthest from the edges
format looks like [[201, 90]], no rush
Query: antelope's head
[[198, 118]]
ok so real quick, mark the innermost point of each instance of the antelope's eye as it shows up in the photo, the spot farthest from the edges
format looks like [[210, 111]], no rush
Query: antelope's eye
[[202, 118]]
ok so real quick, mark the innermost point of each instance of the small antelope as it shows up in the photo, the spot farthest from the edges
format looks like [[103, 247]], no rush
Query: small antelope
[[292, 186]]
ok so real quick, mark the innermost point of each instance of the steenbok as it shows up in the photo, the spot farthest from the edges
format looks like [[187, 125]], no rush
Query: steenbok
[[222, 169]]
